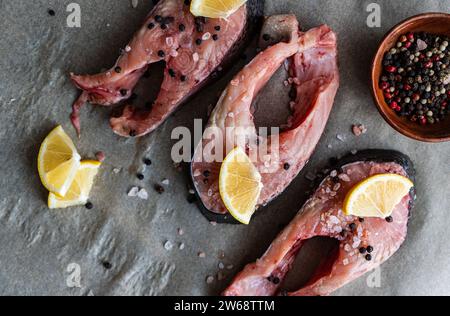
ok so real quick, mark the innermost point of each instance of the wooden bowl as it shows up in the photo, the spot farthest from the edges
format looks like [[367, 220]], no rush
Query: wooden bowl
[[437, 23]]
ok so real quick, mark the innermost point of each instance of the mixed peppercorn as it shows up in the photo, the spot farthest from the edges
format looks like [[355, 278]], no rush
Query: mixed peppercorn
[[416, 77]]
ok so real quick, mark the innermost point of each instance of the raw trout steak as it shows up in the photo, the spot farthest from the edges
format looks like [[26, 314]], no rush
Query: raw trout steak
[[315, 77], [193, 49], [363, 244]]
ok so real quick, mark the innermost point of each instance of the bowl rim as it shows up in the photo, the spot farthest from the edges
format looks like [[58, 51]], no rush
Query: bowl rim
[[379, 53]]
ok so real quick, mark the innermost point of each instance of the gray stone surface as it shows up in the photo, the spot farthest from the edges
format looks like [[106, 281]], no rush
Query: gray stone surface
[[37, 245]]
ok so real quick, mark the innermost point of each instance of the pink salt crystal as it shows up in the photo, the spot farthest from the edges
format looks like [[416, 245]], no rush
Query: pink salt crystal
[[359, 129], [197, 173], [336, 187], [421, 45], [100, 156], [344, 177], [334, 220], [195, 57]]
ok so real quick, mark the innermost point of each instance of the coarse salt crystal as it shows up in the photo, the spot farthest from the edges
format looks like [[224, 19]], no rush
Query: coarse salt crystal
[[191, 191], [133, 192], [333, 173], [347, 248], [182, 246], [180, 231], [116, 170], [202, 255], [197, 173], [206, 36], [230, 267], [165, 182], [195, 57], [334, 220], [345, 262], [169, 41], [340, 137], [231, 114], [359, 129], [210, 192], [143, 194], [421, 45], [209, 280], [128, 48], [356, 244], [134, 3], [344, 177], [234, 82], [168, 245], [221, 266]]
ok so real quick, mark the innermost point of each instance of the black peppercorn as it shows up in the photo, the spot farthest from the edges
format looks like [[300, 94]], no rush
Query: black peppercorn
[[107, 265]]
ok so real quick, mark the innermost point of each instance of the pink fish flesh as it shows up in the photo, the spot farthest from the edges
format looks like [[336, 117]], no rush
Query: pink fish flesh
[[322, 215], [315, 76], [193, 49]]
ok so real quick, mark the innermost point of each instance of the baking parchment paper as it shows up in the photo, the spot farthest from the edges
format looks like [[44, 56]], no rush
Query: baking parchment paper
[[44, 252]]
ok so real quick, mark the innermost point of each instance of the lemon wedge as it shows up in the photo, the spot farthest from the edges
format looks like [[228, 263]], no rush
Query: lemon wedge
[[240, 185], [78, 193], [215, 8], [377, 196], [58, 162]]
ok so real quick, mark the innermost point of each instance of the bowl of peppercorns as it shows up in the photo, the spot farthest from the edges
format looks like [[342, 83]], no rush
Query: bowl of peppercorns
[[411, 77]]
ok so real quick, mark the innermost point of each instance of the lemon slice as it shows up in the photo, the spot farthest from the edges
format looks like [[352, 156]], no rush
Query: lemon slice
[[78, 193], [240, 185], [215, 8], [58, 162], [377, 196]]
